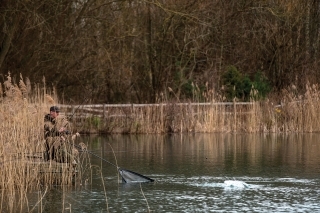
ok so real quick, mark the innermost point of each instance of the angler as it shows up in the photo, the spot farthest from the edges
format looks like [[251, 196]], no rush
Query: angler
[[56, 131]]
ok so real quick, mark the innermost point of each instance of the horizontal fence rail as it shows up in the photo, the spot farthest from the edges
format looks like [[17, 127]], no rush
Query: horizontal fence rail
[[294, 116], [149, 118], [102, 110]]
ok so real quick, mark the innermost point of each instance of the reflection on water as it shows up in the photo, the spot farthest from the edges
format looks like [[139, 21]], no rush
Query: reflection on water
[[192, 174]]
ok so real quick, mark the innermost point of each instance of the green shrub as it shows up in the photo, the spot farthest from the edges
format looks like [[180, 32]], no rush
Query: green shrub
[[262, 85], [94, 122], [241, 87]]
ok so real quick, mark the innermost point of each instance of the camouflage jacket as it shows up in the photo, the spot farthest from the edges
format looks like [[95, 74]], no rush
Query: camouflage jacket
[[52, 126]]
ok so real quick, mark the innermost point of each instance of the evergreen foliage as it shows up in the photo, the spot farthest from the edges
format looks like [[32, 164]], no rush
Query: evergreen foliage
[[239, 86]]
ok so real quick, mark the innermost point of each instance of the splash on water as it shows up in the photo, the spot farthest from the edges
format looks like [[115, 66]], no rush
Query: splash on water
[[236, 184], [228, 184]]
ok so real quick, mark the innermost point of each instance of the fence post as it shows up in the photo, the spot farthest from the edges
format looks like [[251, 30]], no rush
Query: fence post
[[104, 111]]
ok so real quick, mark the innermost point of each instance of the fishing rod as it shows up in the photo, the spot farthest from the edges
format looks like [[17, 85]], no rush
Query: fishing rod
[[90, 152]]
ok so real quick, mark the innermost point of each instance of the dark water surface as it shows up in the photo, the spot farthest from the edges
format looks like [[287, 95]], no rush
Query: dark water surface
[[280, 173]]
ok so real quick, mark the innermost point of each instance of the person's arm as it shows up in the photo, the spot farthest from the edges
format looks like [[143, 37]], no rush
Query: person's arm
[[63, 126], [50, 127]]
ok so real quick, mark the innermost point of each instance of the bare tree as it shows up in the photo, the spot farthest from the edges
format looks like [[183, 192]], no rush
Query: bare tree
[[135, 50]]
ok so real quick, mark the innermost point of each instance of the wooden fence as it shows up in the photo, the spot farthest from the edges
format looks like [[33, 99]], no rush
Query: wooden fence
[[120, 110], [112, 117], [193, 117]]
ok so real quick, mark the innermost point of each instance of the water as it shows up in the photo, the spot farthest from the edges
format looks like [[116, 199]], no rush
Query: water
[[199, 173]]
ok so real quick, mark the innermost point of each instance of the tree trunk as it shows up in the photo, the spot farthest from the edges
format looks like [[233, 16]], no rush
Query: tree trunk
[[6, 43]]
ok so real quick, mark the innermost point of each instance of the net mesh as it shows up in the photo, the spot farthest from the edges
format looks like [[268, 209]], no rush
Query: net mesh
[[133, 177]]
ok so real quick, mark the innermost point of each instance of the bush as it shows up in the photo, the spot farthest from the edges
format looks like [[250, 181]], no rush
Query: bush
[[262, 85], [241, 87]]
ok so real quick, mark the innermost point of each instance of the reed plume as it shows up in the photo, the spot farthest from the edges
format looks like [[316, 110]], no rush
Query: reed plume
[[23, 87], [49, 99]]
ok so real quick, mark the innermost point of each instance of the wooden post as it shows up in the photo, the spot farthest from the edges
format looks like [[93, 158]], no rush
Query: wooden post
[[104, 111]]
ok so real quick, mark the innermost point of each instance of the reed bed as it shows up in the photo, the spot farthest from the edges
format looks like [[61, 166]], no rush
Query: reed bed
[[23, 168], [292, 112]]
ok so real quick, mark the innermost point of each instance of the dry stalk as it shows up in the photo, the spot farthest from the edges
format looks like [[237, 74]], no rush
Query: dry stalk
[[40, 200], [104, 190], [145, 198], [115, 158]]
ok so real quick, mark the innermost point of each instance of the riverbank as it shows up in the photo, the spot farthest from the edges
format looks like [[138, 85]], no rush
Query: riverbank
[[241, 117]]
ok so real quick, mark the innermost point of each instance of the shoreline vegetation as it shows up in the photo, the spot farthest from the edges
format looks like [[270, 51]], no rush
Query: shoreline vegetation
[[23, 168], [22, 143], [294, 114]]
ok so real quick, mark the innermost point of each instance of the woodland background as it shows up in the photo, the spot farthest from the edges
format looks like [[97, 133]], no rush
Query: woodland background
[[150, 51]]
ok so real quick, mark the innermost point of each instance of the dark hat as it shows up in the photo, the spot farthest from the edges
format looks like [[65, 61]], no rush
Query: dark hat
[[54, 109]]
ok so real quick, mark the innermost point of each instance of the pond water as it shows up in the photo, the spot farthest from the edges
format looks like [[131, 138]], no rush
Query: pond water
[[198, 173]]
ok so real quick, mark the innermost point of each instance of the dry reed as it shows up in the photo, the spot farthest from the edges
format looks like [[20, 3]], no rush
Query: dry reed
[[293, 112], [149, 210], [22, 146]]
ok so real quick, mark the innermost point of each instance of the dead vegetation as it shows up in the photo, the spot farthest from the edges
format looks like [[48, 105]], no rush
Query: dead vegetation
[[23, 168]]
